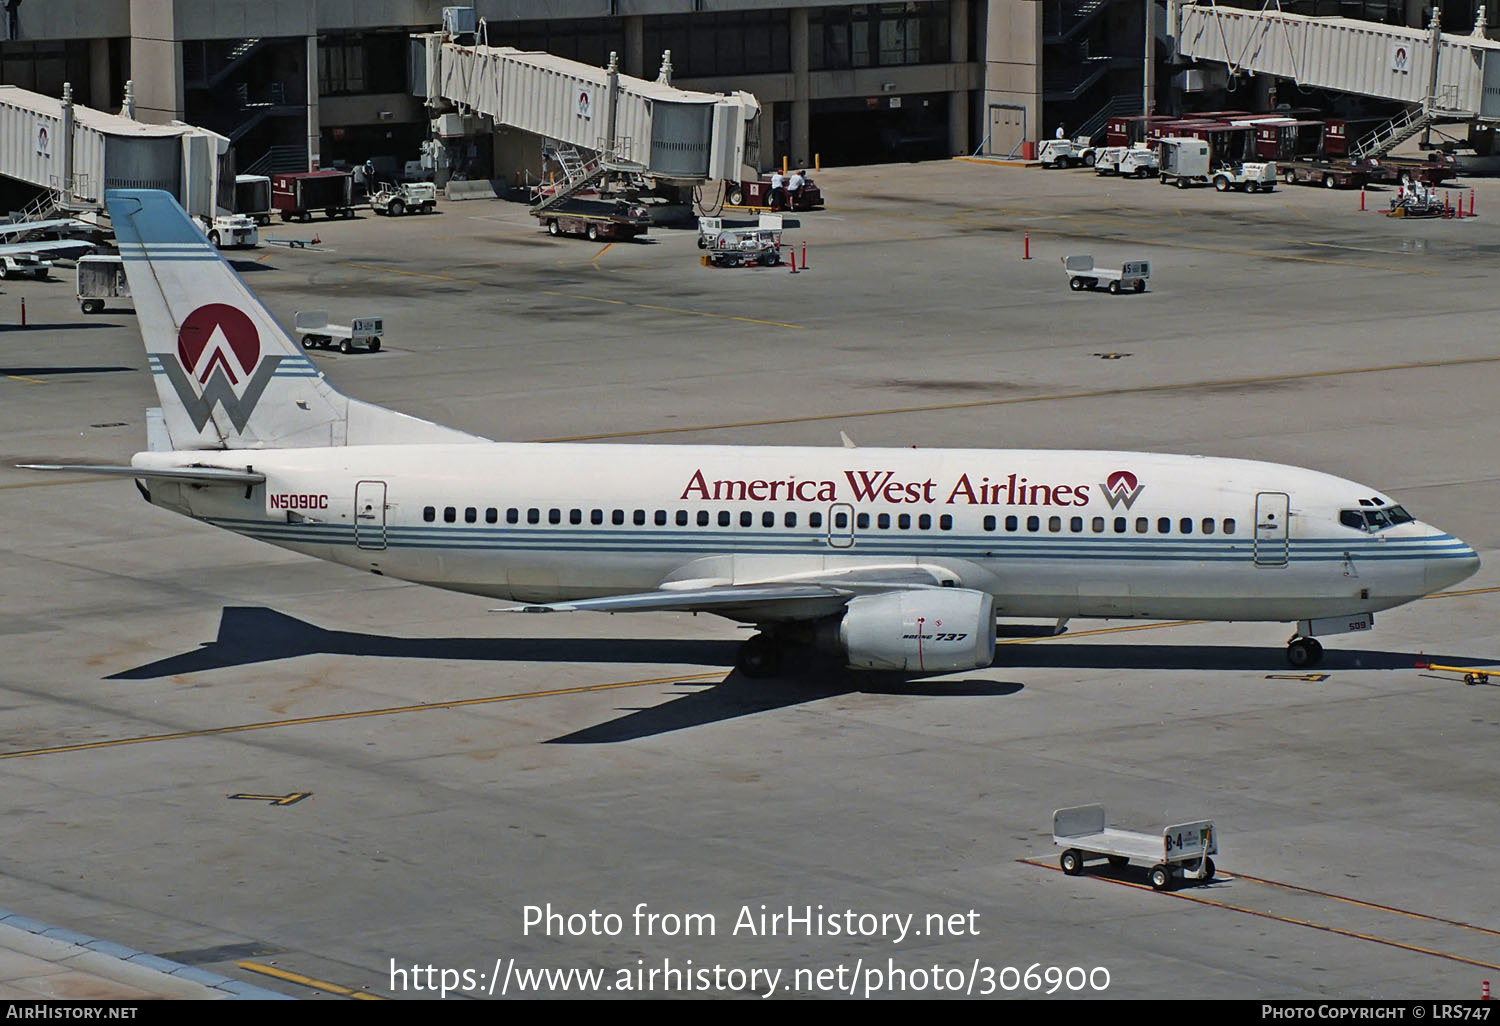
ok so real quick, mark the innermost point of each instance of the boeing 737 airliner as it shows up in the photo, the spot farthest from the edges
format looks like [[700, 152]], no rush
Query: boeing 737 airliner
[[894, 559]]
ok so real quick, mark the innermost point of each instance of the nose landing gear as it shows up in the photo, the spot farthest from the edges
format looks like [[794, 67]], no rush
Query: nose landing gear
[[1302, 652]]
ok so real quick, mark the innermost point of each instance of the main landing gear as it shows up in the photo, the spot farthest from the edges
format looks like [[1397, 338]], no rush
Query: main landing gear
[[760, 656], [1302, 652]]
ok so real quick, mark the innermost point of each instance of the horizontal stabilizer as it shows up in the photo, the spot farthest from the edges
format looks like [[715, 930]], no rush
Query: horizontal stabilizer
[[194, 475]]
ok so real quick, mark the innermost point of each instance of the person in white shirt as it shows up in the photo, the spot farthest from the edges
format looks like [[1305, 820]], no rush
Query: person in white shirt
[[778, 191], [794, 189]]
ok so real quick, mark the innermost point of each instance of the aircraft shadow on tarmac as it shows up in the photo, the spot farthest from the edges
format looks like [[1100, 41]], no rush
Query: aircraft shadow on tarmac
[[254, 634]]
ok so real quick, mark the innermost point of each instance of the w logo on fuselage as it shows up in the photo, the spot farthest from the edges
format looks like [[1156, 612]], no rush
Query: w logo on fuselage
[[1122, 489], [219, 362]]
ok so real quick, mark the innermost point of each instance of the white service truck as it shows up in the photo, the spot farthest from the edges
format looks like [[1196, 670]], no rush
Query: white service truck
[[406, 198], [313, 328], [230, 231], [1127, 162], [1066, 153], [16, 265], [1249, 176]]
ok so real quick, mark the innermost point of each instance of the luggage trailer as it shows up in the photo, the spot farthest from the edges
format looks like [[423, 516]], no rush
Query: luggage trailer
[[1180, 852]]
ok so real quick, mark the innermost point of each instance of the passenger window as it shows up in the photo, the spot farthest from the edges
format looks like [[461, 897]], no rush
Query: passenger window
[[862, 521], [429, 513], [596, 516], [1098, 525], [746, 518], [768, 519], [1011, 523], [617, 517], [1208, 525], [554, 516], [790, 520], [841, 520], [1163, 525], [1119, 525], [1054, 524], [1142, 525], [471, 515], [533, 516], [1076, 525], [1229, 525], [945, 522], [660, 518], [924, 522], [682, 518], [449, 514], [703, 518], [1185, 525], [883, 521], [989, 523], [575, 516], [492, 515], [723, 518], [512, 516], [815, 520], [1033, 523], [638, 518], [903, 521]]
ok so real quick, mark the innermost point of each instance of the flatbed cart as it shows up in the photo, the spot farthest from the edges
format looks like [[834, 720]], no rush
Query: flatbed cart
[[1180, 851], [1083, 273], [735, 247], [314, 330]]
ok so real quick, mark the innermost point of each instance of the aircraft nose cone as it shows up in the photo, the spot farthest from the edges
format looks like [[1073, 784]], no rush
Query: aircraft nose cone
[[1456, 561]]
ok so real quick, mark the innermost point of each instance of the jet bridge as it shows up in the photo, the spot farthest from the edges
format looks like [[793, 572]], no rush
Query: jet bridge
[[74, 153], [1453, 77], [650, 128]]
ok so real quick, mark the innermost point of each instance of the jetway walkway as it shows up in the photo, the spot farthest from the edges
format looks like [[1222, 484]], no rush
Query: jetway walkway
[[1449, 77], [650, 128]]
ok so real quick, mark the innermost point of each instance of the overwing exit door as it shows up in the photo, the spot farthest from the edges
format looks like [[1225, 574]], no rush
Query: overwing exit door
[[369, 515]]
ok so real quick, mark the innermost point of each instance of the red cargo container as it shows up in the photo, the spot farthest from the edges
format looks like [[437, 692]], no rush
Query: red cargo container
[[1127, 131], [1341, 133], [1288, 140], [296, 196]]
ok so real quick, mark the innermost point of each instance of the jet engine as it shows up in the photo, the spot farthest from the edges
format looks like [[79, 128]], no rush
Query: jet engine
[[926, 630]]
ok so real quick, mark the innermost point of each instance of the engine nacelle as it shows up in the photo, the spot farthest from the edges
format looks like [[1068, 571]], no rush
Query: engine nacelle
[[927, 630]]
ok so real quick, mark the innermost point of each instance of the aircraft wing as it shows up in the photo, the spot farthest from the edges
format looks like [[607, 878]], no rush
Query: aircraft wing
[[193, 475], [68, 249], [804, 597]]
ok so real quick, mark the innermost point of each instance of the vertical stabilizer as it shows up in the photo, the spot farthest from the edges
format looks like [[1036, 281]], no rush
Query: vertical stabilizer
[[229, 376]]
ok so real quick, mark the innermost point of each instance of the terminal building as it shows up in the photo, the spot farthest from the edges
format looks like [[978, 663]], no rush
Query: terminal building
[[295, 84]]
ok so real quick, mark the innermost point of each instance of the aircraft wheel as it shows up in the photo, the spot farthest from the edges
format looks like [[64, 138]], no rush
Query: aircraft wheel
[[1304, 652], [758, 657], [1161, 878], [1071, 862]]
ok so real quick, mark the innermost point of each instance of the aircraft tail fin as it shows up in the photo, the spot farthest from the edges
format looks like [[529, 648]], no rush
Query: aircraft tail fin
[[228, 375]]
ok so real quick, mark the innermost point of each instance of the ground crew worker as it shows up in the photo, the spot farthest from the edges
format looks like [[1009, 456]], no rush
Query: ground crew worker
[[794, 189], [778, 191]]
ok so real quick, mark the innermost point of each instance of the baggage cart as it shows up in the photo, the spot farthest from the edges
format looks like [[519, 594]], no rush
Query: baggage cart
[[1180, 852], [313, 328], [100, 278], [1083, 273]]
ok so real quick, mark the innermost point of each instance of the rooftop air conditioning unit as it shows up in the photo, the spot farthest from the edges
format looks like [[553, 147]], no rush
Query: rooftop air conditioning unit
[[460, 21]]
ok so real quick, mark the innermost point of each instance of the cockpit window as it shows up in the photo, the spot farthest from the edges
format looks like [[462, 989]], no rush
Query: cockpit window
[[1374, 519]]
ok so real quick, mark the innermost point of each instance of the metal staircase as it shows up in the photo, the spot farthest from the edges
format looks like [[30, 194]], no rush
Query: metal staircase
[[580, 174], [1116, 106], [1065, 24], [278, 160], [1395, 132]]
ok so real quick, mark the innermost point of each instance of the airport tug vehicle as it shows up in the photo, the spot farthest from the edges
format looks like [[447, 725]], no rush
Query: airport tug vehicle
[[1179, 852], [314, 330]]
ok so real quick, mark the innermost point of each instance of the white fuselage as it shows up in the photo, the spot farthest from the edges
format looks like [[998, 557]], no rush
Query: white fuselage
[[1048, 533]]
